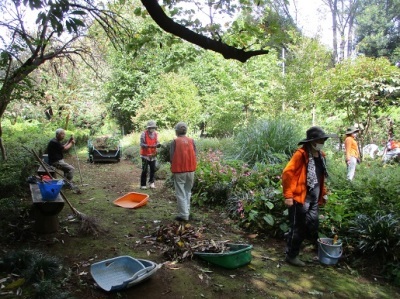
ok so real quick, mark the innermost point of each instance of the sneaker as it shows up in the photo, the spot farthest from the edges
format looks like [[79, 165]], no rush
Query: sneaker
[[143, 187], [295, 261], [68, 185], [180, 219], [152, 186]]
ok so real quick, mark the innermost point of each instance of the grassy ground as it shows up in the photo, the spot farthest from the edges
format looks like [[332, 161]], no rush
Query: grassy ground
[[127, 231]]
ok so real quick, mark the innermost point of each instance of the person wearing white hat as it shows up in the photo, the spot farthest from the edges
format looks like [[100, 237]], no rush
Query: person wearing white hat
[[303, 182], [352, 153], [148, 153]]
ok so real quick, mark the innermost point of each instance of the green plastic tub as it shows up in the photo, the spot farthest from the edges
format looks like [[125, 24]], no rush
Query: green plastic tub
[[237, 256]]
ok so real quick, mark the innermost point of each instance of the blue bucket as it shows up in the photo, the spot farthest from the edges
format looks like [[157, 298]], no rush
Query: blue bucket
[[329, 253], [50, 189]]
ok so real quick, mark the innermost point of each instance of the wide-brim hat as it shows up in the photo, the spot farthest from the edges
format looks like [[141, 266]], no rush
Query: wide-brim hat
[[151, 124], [315, 133], [352, 130]]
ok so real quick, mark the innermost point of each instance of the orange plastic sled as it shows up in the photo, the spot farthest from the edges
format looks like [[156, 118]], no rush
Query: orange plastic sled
[[132, 200]]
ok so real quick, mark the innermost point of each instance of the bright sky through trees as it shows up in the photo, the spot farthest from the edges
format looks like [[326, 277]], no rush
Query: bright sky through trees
[[313, 18]]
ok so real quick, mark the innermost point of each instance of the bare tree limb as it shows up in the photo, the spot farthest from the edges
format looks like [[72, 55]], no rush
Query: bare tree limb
[[168, 25]]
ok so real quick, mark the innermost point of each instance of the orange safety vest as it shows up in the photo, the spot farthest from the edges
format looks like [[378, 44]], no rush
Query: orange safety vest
[[184, 159], [393, 144], [149, 151]]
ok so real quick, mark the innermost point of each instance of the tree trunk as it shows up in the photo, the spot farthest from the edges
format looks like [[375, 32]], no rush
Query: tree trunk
[[3, 150], [5, 98], [350, 37], [332, 4], [334, 30], [342, 45]]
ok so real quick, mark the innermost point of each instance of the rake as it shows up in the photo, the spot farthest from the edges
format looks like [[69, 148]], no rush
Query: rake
[[88, 224]]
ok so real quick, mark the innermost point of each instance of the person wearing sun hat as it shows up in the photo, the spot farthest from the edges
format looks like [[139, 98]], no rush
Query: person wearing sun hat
[[148, 153], [303, 182], [352, 153]]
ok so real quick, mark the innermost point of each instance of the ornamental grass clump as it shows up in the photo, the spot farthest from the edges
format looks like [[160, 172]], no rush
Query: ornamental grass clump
[[268, 141], [377, 235]]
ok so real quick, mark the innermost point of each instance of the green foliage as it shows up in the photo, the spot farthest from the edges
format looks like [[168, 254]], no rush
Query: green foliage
[[261, 210], [207, 144], [231, 93], [377, 31], [163, 153], [339, 210], [378, 234], [175, 100], [306, 62], [15, 170], [392, 271], [42, 271], [213, 180], [251, 195], [375, 187], [218, 178], [20, 163], [364, 88], [269, 141]]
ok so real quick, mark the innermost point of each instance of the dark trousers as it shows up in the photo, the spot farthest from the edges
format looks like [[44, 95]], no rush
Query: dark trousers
[[303, 225], [145, 165]]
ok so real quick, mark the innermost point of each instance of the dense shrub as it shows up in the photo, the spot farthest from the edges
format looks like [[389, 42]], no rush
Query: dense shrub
[[269, 141], [378, 234], [40, 272], [19, 139]]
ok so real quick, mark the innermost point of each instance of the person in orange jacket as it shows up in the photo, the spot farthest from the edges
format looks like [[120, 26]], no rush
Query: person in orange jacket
[[148, 153], [183, 165], [352, 154], [303, 182]]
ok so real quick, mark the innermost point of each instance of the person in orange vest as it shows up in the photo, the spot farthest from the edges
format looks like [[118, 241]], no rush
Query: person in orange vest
[[148, 153], [392, 144], [352, 154], [303, 182], [183, 165]]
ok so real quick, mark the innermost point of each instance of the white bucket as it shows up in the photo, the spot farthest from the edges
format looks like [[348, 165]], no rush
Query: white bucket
[[329, 253]]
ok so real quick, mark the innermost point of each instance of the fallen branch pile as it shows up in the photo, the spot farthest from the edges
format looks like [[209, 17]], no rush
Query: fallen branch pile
[[180, 241]]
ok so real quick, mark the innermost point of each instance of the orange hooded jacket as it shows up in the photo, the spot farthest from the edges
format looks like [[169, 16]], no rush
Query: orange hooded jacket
[[351, 147], [294, 178]]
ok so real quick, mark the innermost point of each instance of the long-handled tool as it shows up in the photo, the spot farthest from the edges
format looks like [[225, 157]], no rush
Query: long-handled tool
[[79, 166], [88, 224]]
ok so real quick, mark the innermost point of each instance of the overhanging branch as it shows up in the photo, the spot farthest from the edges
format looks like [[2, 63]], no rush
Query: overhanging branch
[[168, 25]]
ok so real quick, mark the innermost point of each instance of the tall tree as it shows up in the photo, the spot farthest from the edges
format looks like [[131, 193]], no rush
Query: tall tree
[[362, 88], [378, 29], [343, 14], [306, 62], [60, 25]]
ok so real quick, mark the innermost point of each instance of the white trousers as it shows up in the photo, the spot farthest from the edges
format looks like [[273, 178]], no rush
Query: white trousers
[[351, 168], [183, 183]]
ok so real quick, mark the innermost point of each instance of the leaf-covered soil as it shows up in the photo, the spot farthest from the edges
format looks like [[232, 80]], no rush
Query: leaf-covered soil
[[130, 231]]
